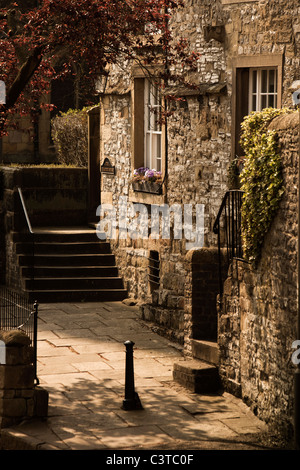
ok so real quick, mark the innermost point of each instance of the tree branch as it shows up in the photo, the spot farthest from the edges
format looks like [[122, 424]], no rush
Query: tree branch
[[24, 76]]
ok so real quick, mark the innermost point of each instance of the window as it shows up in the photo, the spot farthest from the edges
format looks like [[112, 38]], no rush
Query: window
[[257, 83], [148, 133], [153, 131], [262, 89]]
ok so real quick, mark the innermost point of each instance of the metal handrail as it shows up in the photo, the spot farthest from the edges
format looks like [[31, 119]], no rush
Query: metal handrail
[[30, 231], [230, 209], [154, 268], [25, 211]]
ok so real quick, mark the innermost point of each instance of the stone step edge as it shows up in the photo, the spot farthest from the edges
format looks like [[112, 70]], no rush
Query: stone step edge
[[197, 376], [207, 351]]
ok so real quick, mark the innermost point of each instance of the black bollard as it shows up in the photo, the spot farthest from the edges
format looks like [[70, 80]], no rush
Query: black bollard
[[131, 401]]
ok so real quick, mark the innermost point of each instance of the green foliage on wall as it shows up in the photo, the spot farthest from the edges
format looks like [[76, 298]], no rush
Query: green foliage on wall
[[261, 180]]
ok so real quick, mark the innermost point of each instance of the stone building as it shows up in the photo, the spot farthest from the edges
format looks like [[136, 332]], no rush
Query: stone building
[[249, 60]]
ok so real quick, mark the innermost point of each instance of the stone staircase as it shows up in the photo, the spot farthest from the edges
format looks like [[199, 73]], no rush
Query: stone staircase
[[200, 373], [69, 265]]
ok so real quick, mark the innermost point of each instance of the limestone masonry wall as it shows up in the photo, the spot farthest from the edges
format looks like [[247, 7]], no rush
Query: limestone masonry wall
[[200, 135], [19, 397], [257, 322]]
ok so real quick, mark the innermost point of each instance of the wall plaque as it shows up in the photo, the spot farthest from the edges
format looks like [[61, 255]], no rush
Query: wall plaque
[[107, 167]]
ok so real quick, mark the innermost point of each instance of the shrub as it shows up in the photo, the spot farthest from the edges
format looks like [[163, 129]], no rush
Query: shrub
[[70, 137], [261, 180]]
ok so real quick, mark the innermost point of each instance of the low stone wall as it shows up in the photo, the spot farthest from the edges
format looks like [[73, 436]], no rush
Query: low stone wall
[[257, 321], [53, 197], [19, 397]]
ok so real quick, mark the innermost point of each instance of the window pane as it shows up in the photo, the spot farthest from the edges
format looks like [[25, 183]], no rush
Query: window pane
[[156, 146], [271, 81], [152, 157], [148, 152], [254, 81], [264, 81], [254, 103], [155, 95], [271, 101], [148, 124], [263, 101]]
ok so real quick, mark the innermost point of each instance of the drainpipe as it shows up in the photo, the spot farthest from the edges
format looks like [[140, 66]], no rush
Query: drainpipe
[[166, 70], [297, 371]]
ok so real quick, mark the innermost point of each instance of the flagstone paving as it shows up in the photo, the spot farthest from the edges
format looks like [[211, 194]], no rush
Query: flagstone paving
[[81, 362]]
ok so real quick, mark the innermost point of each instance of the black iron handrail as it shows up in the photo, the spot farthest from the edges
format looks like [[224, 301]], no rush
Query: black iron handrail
[[154, 270], [228, 223], [31, 234]]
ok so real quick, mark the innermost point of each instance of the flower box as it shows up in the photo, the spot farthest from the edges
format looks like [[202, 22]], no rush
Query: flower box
[[147, 187], [147, 181]]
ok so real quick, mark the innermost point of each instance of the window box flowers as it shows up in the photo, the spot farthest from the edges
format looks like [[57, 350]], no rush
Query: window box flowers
[[147, 181]]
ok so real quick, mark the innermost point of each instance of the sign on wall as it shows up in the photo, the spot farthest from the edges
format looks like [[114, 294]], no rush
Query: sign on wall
[[107, 167]]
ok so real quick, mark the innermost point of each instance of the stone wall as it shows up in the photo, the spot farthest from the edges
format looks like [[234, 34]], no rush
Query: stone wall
[[257, 322], [19, 145], [53, 197], [200, 136], [19, 397]]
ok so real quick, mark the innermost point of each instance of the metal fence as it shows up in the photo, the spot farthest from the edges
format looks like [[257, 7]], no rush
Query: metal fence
[[228, 226], [18, 313]]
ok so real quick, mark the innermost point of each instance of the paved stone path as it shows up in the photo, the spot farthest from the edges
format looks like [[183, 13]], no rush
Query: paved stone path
[[81, 362]]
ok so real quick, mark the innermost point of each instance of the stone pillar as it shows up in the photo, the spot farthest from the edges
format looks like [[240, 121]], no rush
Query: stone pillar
[[93, 162], [19, 396], [201, 291]]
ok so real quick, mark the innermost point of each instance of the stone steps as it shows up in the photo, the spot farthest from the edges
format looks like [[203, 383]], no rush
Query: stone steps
[[200, 374], [57, 248], [57, 235], [70, 260], [207, 351], [197, 376], [70, 271], [69, 265], [73, 283], [88, 295]]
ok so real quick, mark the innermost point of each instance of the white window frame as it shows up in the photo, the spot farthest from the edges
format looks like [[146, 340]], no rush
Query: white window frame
[[255, 80], [152, 126]]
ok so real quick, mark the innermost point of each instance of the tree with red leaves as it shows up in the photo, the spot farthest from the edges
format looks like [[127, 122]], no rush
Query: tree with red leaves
[[89, 35]]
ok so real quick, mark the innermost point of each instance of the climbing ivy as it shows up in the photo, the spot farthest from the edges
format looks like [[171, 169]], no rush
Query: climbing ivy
[[261, 179]]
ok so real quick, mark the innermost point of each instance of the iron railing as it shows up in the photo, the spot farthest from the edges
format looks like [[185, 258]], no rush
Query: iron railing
[[31, 234], [154, 270], [18, 313], [228, 228]]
